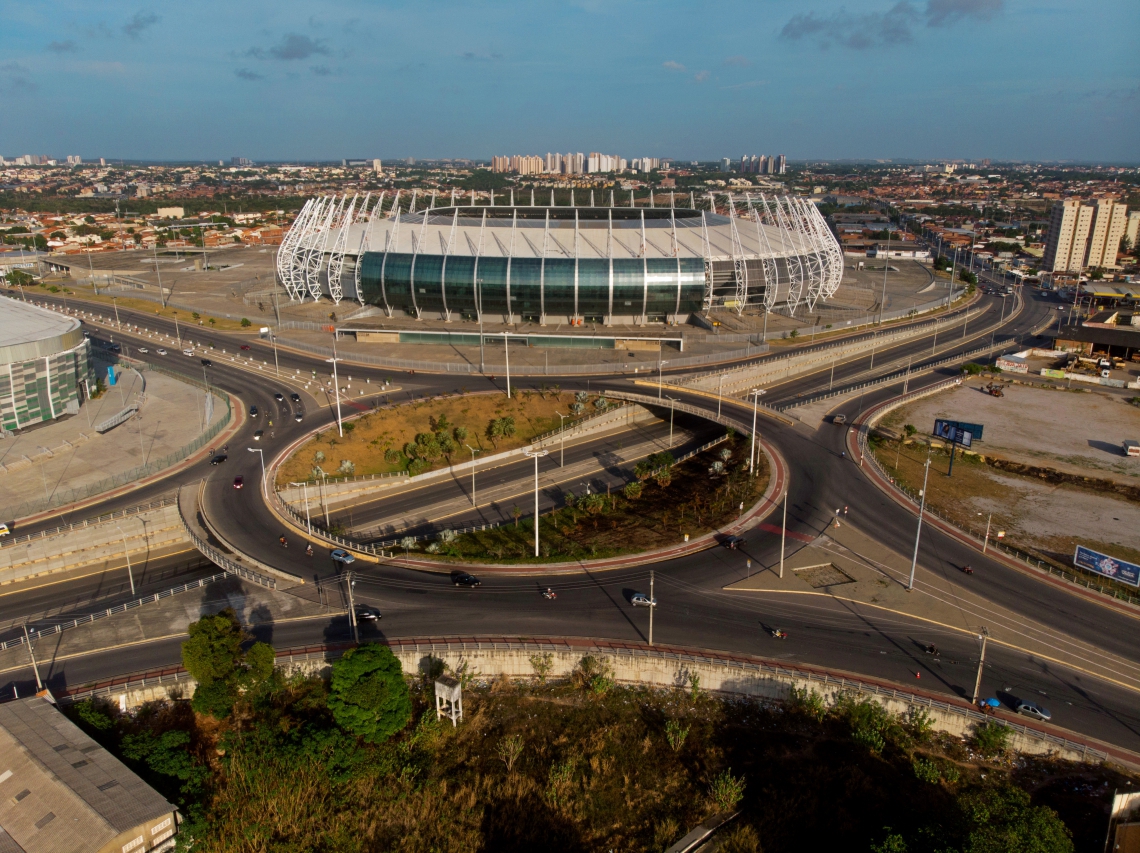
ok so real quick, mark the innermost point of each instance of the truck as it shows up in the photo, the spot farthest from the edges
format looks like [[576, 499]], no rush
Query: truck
[[1131, 448]]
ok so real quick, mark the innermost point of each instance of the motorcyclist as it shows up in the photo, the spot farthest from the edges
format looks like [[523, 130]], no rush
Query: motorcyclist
[[284, 542], [309, 550]]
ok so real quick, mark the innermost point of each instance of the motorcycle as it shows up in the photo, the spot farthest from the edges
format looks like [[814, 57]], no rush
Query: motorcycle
[[779, 635], [932, 650], [308, 550], [967, 570], [549, 594], [284, 542]]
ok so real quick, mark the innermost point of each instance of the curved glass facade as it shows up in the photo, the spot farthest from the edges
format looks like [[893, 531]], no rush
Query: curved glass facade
[[592, 288]]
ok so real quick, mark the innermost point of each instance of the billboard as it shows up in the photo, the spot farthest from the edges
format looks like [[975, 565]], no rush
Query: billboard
[[974, 429], [1109, 567], [950, 431]]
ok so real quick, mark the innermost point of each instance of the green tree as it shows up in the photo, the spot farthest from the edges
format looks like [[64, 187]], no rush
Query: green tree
[[213, 651], [245, 324], [368, 694], [167, 755], [1002, 818], [460, 434]]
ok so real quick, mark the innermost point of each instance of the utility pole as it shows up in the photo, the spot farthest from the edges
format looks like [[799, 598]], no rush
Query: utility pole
[[886, 265], [158, 273], [276, 363], [660, 364], [336, 389], [561, 430], [31, 654], [652, 607], [983, 636], [918, 532], [126, 553], [783, 535], [473, 452], [986, 542], [756, 392], [352, 607], [672, 400], [115, 302], [535, 454]]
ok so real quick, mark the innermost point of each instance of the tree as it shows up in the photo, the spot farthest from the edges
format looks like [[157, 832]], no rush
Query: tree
[[213, 651], [460, 433], [368, 695], [632, 491], [1003, 818], [245, 324], [517, 512]]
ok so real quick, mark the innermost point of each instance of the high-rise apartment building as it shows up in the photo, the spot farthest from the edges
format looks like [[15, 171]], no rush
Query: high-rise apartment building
[[377, 167], [1132, 229], [781, 164], [500, 164], [1084, 235], [725, 164]]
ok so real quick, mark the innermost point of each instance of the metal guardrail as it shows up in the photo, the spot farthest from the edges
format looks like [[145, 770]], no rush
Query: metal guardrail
[[111, 611], [783, 672], [87, 522], [114, 421], [222, 561]]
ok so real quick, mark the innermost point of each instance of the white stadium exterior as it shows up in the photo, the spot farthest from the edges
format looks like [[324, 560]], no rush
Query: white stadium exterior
[[561, 264]]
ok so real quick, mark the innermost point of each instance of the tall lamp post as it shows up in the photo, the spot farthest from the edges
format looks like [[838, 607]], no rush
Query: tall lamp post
[[562, 435], [918, 531], [535, 454], [336, 390], [126, 553], [671, 400], [756, 394], [305, 487], [507, 356], [660, 364], [261, 453], [473, 452], [479, 313]]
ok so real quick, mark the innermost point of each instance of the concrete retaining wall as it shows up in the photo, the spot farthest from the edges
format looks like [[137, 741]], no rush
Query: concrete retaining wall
[[657, 670], [145, 532]]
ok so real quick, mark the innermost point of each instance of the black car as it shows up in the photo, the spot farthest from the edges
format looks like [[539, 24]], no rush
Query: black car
[[219, 459], [465, 579], [207, 363], [296, 398], [732, 543], [253, 411], [364, 613], [279, 397]]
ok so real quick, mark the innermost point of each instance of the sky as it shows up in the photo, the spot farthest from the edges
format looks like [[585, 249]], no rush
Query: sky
[[814, 79]]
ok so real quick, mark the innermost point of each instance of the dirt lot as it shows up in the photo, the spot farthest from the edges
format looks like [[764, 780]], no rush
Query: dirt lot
[[1075, 431]]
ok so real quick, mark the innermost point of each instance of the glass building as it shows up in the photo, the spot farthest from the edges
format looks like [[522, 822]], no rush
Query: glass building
[[560, 264]]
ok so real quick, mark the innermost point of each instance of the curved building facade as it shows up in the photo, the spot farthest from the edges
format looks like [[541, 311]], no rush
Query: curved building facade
[[44, 363], [560, 264]]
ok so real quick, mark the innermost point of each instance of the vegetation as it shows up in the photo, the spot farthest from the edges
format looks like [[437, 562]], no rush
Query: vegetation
[[214, 658], [368, 695], [585, 764]]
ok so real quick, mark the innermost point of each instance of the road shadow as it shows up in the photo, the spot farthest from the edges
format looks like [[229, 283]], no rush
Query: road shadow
[[1106, 446]]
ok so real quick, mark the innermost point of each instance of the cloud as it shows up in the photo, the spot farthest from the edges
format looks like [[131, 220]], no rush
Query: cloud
[[140, 22], [246, 74], [470, 56], [321, 71], [701, 76], [673, 66], [894, 26], [63, 46], [940, 13], [292, 47], [17, 78], [750, 84], [738, 61]]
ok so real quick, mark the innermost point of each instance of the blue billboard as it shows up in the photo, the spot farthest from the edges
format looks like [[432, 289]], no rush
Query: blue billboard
[[1110, 567], [110, 374]]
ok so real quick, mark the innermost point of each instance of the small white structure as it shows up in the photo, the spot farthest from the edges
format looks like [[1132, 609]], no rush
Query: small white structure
[[448, 699]]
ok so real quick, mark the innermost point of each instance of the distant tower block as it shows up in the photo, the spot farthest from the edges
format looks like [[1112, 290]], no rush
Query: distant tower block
[[448, 699]]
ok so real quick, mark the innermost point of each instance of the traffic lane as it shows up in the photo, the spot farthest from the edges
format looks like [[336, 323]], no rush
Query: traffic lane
[[520, 472]]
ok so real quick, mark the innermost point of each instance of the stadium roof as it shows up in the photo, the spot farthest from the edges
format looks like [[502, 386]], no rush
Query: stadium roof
[[23, 323]]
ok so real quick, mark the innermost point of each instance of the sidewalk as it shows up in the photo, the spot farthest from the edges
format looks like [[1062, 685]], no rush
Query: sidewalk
[[848, 565]]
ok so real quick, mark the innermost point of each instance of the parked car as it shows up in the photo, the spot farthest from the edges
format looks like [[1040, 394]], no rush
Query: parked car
[[239, 481], [207, 363], [364, 613], [732, 543], [465, 579], [279, 397], [257, 435], [343, 557], [160, 351], [296, 398], [1032, 709], [640, 599], [253, 411], [218, 459]]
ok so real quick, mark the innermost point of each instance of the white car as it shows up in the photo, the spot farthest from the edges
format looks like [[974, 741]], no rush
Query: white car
[[187, 352], [640, 599], [143, 349], [160, 351]]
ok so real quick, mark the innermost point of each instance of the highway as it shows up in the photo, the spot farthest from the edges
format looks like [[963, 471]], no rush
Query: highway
[[694, 609]]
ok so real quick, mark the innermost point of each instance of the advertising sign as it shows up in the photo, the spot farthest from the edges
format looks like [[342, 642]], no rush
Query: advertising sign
[[974, 429], [110, 374], [951, 431], [1110, 567]]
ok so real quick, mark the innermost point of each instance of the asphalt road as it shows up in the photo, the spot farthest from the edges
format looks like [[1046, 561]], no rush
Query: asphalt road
[[694, 610]]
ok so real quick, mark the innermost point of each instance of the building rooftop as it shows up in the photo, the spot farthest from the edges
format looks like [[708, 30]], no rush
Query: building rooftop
[[62, 792], [24, 323]]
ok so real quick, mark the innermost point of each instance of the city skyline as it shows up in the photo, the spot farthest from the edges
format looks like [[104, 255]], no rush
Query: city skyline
[[961, 79]]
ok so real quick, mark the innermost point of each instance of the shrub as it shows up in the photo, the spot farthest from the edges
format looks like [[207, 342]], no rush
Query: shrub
[[93, 716], [509, 750], [741, 839], [726, 792], [991, 738], [542, 664], [926, 770], [807, 702], [368, 696], [593, 675], [245, 324], [676, 733], [918, 724]]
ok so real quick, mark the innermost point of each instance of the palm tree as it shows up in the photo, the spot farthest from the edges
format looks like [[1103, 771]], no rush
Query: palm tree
[[516, 511], [408, 543]]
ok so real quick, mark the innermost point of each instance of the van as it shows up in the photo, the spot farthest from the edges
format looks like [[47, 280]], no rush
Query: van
[[1131, 448]]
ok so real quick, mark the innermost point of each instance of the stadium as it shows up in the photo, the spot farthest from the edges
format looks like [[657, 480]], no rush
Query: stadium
[[562, 264], [44, 363]]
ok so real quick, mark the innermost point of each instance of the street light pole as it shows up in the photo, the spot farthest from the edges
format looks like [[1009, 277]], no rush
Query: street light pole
[[783, 535], [507, 356], [305, 487], [562, 435], [652, 606], [719, 394], [983, 636], [671, 400], [986, 542], [352, 607], [756, 392], [32, 655], [918, 531], [126, 553], [479, 313], [535, 454], [473, 452], [115, 302], [336, 391], [660, 364], [261, 453], [276, 363]]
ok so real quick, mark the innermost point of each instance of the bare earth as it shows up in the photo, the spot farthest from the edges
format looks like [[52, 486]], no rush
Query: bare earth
[[1078, 432]]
